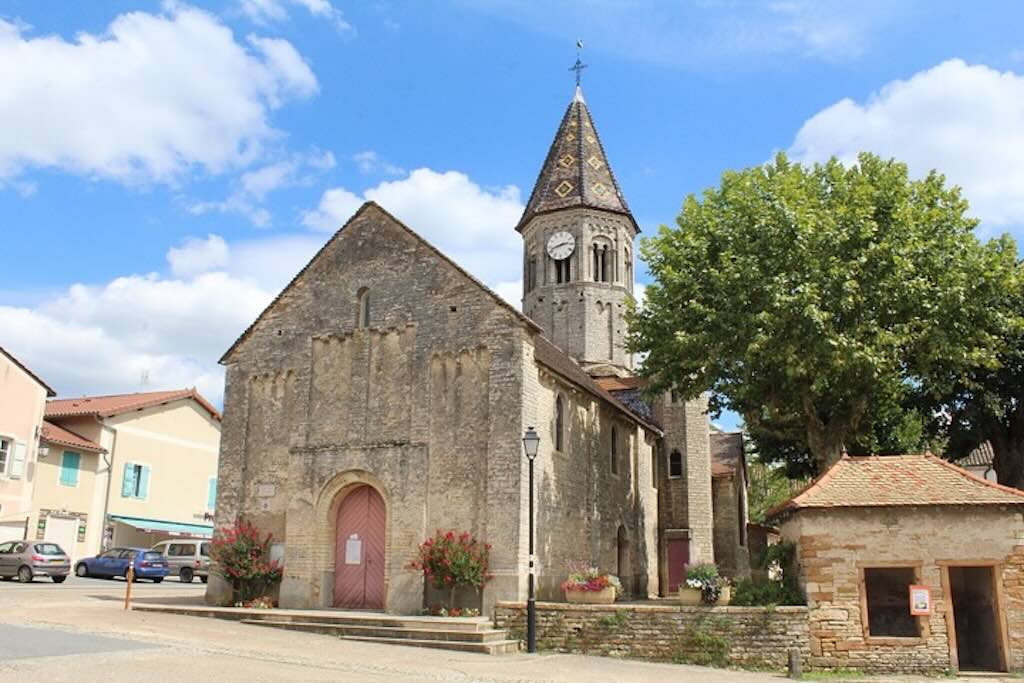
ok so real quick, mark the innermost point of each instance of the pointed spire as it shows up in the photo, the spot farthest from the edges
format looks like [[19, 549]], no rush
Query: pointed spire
[[576, 172]]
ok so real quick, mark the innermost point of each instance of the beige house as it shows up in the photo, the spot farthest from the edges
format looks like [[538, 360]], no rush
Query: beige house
[[22, 402], [129, 469], [910, 564]]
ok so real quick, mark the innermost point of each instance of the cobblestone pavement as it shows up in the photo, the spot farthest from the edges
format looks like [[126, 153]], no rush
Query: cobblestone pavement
[[80, 632]]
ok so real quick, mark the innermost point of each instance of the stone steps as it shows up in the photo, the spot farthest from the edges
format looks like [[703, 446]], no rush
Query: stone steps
[[466, 634], [489, 641]]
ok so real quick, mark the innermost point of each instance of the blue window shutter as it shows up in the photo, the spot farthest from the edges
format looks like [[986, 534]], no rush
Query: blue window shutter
[[211, 494], [144, 483], [69, 469], [128, 482]]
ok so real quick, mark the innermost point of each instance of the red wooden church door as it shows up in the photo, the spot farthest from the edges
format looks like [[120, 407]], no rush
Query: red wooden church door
[[678, 558], [359, 551]]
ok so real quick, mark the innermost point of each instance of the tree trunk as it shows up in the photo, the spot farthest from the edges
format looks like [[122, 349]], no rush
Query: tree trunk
[[1008, 458]]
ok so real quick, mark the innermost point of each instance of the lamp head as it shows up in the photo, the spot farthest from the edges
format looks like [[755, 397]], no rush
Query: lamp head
[[531, 442]]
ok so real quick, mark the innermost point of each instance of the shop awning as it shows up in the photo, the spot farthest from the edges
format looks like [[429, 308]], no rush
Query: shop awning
[[165, 527]]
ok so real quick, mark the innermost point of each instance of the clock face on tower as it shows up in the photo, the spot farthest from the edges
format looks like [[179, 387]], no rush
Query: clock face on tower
[[561, 245]]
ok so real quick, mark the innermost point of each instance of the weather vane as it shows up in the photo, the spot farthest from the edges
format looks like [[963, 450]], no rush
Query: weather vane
[[579, 65]]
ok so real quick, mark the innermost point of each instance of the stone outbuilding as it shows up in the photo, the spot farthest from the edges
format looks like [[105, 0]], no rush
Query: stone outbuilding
[[909, 564]]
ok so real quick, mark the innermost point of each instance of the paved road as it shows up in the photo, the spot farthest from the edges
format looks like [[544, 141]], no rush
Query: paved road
[[79, 631]]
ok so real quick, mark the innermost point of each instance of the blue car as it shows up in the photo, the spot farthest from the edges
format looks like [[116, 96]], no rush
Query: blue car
[[149, 564]]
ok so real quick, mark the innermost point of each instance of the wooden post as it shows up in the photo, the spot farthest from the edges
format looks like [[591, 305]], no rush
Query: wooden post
[[129, 580], [794, 664]]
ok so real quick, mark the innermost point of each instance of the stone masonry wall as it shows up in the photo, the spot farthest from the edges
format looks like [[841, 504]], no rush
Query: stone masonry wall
[[835, 545], [738, 636]]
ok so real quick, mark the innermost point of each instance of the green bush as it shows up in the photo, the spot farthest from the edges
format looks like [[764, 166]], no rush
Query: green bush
[[752, 593]]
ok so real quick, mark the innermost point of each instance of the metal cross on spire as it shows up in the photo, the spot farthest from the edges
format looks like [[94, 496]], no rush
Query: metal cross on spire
[[579, 65]]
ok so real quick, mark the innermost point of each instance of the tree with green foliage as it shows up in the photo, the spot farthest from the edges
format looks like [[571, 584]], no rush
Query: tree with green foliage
[[986, 403], [815, 300]]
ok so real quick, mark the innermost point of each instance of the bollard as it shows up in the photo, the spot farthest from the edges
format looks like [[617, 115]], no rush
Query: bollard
[[794, 664], [129, 578]]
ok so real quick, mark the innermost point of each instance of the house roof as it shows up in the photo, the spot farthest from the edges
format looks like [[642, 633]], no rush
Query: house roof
[[576, 171], [562, 364], [366, 208], [980, 457], [60, 436], [726, 453], [34, 376], [116, 404], [897, 481]]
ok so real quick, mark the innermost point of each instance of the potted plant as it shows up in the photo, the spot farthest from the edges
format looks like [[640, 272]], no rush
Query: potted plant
[[704, 586], [587, 585], [451, 560]]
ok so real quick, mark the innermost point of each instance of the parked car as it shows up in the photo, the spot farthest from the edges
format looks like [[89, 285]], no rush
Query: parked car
[[188, 558], [27, 560], [149, 564]]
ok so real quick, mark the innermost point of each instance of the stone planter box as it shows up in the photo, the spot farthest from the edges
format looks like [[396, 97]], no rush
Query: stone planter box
[[605, 596], [690, 597]]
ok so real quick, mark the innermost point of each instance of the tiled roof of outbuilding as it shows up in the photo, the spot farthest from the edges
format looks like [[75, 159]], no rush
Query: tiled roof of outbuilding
[[981, 456], [115, 404], [56, 434], [897, 481], [576, 171]]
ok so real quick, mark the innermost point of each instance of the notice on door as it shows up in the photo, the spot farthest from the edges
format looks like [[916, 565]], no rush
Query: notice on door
[[353, 550]]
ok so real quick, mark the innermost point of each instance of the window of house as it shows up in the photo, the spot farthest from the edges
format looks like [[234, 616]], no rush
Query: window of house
[[69, 468], [887, 594], [211, 494], [615, 450], [563, 271], [5, 454], [675, 464], [363, 307], [559, 424], [135, 483]]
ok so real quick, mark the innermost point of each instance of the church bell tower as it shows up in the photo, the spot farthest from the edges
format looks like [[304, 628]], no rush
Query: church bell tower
[[578, 251]]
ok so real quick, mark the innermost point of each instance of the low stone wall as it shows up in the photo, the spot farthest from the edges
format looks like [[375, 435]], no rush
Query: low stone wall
[[724, 636]]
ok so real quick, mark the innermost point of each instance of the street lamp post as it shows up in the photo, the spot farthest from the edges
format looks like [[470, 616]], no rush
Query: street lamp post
[[531, 442]]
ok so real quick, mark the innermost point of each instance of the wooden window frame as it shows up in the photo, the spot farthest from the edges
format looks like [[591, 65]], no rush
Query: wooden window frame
[[869, 639], [1002, 624]]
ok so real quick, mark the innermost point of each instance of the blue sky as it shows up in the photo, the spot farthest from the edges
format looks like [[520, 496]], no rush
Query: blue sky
[[166, 167]]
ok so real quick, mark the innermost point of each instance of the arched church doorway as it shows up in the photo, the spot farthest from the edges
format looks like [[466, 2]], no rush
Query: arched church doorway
[[359, 550]]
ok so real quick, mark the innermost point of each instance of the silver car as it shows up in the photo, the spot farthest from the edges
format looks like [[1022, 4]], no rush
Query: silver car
[[187, 558], [29, 559]]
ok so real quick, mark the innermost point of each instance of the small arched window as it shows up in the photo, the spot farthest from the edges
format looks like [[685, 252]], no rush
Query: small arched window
[[615, 450], [559, 424], [363, 307], [602, 262], [675, 465]]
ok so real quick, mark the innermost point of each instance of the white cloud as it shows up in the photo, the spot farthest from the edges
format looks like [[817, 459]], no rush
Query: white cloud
[[966, 121], [197, 256], [472, 225], [265, 11], [151, 97], [369, 162]]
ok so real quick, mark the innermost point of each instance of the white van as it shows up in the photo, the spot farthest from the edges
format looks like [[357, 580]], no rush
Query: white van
[[187, 558]]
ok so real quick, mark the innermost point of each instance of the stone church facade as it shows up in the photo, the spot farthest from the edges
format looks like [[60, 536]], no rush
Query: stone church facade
[[384, 394]]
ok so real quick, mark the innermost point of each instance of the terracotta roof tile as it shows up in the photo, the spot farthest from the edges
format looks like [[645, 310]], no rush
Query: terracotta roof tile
[[897, 481], [560, 362], [60, 436], [108, 406]]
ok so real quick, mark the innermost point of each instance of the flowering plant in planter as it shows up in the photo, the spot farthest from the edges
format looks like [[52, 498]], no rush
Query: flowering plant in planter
[[705, 578], [450, 560], [242, 557], [583, 577]]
